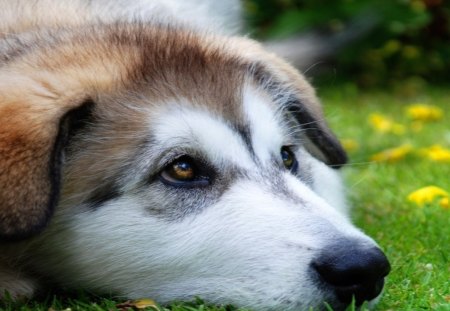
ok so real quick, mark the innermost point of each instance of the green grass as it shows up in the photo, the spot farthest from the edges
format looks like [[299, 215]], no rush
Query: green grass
[[416, 240]]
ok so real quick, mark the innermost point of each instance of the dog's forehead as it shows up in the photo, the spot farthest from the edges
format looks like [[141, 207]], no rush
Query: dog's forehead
[[250, 128]]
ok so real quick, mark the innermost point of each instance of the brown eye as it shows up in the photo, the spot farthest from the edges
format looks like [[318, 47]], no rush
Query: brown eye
[[183, 172], [288, 158]]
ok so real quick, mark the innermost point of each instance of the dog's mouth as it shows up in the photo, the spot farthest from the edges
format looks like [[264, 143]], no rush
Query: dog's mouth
[[360, 292]]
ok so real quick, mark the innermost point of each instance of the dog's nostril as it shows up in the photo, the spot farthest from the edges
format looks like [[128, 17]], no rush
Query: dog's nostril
[[353, 271]]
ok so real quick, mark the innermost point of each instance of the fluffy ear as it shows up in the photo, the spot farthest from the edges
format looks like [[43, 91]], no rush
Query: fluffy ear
[[321, 142], [33, 131]]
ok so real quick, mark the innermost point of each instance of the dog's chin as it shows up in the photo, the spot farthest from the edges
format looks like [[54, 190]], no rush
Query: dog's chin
[[372, 303]]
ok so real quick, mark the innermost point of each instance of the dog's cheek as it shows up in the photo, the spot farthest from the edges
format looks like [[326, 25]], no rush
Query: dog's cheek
[[323, 180], [328, 184]]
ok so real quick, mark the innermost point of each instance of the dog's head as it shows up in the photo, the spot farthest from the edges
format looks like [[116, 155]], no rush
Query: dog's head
[[190, 165]]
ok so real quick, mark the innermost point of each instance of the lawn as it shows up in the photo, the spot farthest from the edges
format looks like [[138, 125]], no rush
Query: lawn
[[415, 238]]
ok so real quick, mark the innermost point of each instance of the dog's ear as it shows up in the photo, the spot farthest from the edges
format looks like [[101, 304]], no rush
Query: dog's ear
[[34, 127], [321, 142]]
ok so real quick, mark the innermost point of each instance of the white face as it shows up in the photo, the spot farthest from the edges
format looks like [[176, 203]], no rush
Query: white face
[[246, 235]]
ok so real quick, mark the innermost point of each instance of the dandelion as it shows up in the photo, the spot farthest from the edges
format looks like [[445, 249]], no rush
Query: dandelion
[[380, 122], [350, 144], [436, 153], [427, 195], [384, 124], [444, 203], [422, 112], [392, 154]]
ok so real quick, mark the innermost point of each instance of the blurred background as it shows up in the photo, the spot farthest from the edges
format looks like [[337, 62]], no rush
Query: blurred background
[[371, 43]]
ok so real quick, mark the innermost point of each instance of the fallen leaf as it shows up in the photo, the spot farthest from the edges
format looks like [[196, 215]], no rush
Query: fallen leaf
[[139, 304]]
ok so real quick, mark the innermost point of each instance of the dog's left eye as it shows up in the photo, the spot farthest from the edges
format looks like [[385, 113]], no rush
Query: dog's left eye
[[183, 172], [289, 159]]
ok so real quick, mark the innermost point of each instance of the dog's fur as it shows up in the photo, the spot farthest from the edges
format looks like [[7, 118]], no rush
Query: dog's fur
[[98, 97]]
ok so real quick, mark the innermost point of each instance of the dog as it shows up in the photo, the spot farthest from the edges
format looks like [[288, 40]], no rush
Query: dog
[[146, 150]]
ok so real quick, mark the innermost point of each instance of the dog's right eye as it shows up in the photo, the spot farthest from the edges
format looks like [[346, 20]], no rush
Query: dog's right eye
[[289, 159], [183, 172]]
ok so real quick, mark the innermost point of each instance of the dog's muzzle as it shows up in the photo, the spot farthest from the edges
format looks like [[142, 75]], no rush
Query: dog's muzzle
[[353, 270]]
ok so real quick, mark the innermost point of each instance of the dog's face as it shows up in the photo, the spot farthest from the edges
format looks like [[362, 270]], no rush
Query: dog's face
[[196, 166]]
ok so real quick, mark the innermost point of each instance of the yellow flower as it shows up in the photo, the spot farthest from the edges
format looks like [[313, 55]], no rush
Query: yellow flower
[[436, 153], [427, 195], [350, 144], [380, 122], [424, 112], [384, 124], [392, 154], [444, 203]]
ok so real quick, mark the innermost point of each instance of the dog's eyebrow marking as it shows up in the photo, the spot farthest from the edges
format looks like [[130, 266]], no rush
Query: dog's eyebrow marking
[[267, 135], [246, 134], [188, 128]]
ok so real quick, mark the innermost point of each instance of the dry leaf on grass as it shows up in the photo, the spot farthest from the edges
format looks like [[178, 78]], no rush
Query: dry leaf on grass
[[139, 304]]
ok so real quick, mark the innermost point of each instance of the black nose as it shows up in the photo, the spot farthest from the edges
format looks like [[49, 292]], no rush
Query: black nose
[[353, 270]]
